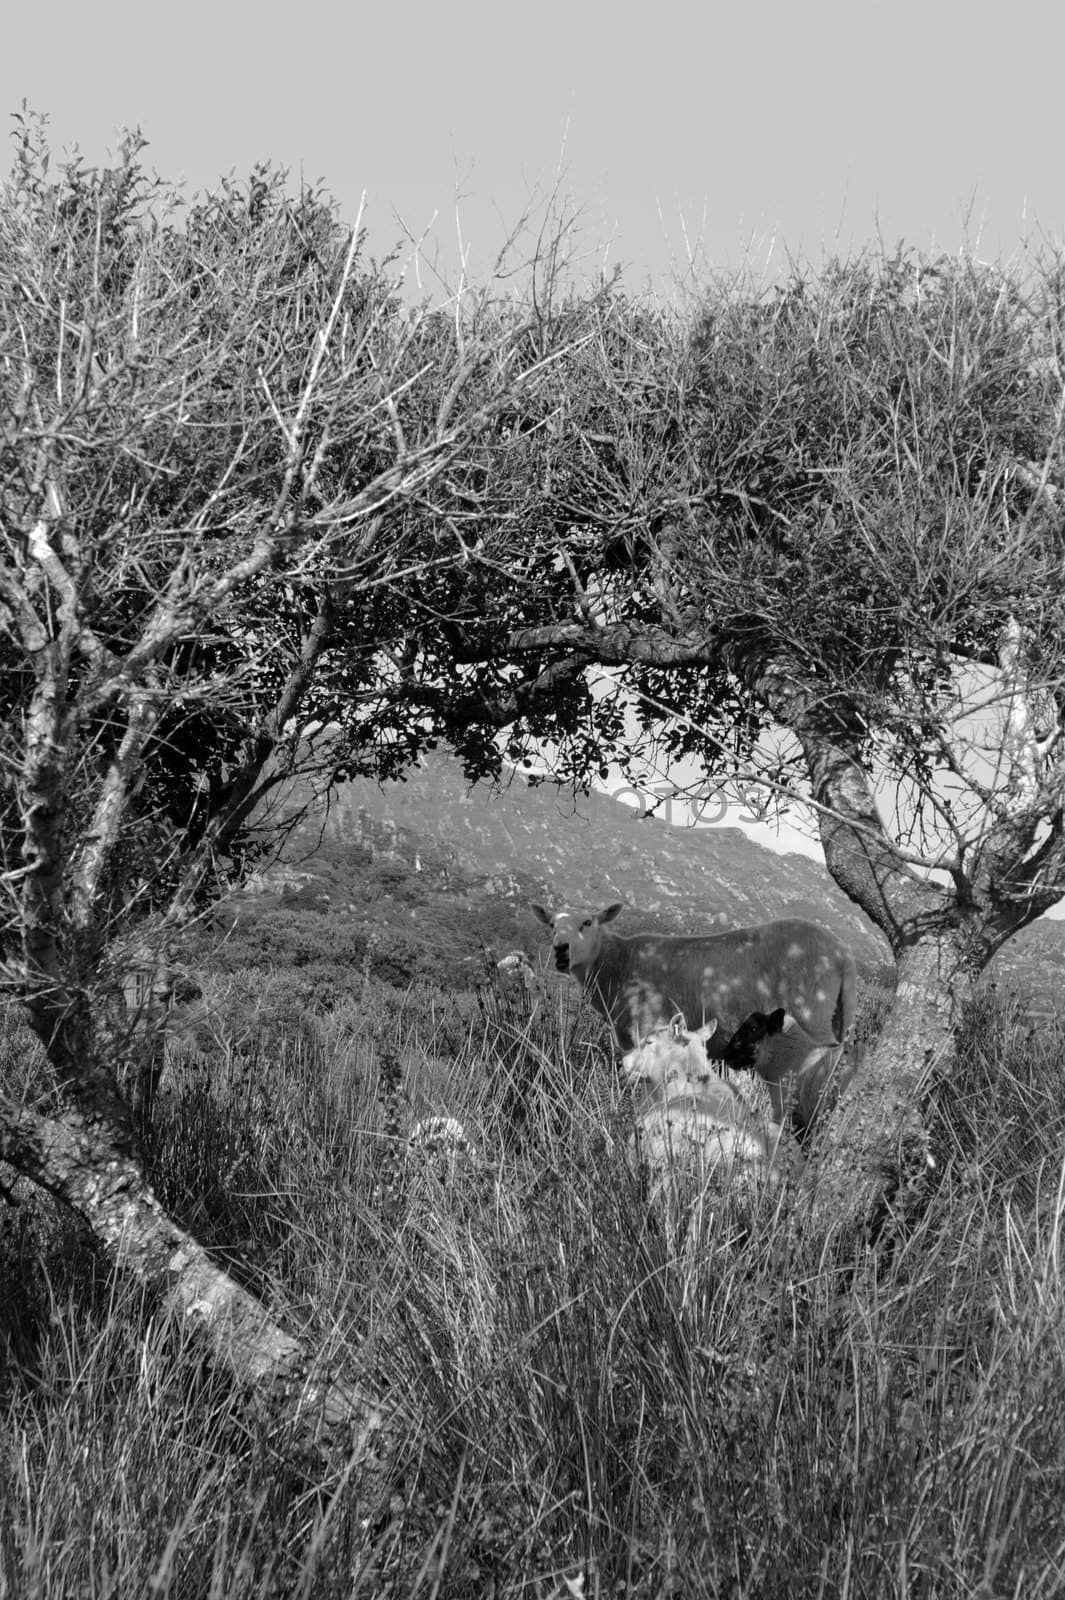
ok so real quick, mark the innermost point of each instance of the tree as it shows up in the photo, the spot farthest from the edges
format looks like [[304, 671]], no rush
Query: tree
[[220, 436], [833, 509], [247, 495]]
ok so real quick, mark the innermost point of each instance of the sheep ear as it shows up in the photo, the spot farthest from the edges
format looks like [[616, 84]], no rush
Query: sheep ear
[[543, 916], [611, 912], [677, 1025], [778, 1021], [707, 1030]]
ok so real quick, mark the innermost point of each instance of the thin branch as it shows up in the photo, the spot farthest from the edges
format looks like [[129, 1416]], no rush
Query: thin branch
[[944, 863], [99, 839]]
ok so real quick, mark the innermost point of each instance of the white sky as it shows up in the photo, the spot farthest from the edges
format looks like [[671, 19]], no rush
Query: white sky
[[744, 130], [794, 832], [973, 724]]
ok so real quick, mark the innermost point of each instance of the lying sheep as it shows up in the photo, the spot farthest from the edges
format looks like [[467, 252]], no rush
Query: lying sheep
[[688, 1114]]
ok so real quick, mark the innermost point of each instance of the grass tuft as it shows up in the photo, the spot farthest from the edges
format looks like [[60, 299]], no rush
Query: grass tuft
[[609, 1397]]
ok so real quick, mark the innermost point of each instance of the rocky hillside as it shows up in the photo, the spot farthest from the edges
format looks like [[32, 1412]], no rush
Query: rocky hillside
[[532, 842], [532, 839]]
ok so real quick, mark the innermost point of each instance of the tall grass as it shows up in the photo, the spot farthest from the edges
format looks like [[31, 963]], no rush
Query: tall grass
[[604, 1399]]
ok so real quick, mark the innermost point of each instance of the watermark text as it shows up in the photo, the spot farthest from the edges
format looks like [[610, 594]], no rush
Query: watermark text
[[737, 801]]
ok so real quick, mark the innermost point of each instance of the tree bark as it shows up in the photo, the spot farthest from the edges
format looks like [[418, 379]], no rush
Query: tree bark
[[873, 1151], [132, 1028], [81, 1163]]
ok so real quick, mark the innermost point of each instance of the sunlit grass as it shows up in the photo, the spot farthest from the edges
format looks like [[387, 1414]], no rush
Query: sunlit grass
[[603, 1397]]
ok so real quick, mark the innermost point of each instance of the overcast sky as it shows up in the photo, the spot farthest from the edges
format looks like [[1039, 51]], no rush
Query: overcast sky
[[728, 133], [743, 131]]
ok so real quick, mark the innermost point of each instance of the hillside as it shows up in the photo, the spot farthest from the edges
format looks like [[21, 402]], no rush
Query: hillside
[[529, 841]]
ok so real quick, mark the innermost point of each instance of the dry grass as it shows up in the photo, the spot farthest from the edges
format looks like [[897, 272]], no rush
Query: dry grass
[[607, 1402]]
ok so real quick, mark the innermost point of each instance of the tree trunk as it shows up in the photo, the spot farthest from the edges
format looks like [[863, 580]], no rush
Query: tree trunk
[[79, 1159], [873, 1151], [141, 1031]]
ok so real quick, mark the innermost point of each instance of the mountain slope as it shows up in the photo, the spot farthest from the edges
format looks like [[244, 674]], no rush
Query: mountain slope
[[529, 841], [535, 842]]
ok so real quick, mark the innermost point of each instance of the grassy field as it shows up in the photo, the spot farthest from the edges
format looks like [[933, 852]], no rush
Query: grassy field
[[601, 1400]]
